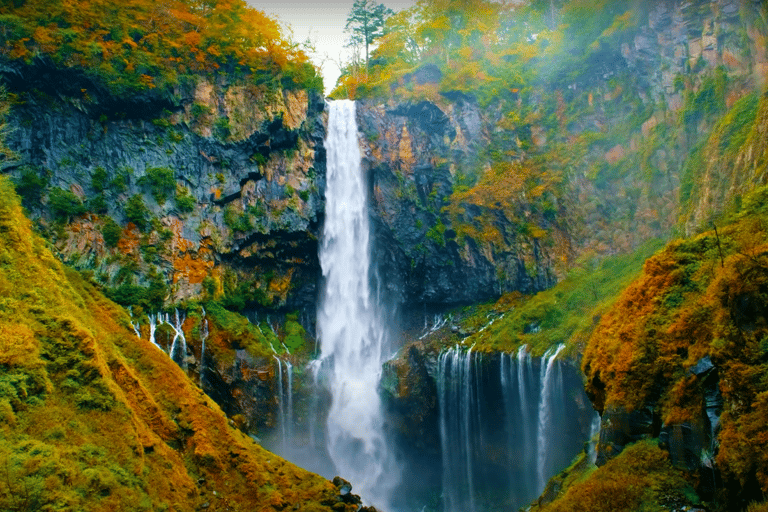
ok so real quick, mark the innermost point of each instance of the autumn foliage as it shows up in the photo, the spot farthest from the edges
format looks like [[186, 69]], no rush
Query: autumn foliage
[[705, 296], [641, 478], [135, 46], [94, 418]]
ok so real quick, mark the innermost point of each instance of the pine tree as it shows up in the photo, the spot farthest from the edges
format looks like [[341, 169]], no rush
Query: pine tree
[[365, 24]]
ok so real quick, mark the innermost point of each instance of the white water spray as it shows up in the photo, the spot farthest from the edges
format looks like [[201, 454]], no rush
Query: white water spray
[[351, 334], [594, 437], [203, 336], [545, 412], [285, 403]]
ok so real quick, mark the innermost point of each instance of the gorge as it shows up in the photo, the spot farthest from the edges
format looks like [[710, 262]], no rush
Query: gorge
[[516, 261]]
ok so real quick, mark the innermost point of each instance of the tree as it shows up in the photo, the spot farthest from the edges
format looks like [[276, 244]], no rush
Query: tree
[[365, 24], [6, 153]]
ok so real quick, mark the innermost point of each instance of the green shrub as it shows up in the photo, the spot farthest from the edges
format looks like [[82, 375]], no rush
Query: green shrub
[[161, 182], [237, 221], [222, 128], [209, 288], [294, 333], [150, 298], [111, 232], [136, 211], [99, 179], [97, 204], [30, 186], [198, 110], [185, 202], [120, 182], [437, 233], [64, 204]]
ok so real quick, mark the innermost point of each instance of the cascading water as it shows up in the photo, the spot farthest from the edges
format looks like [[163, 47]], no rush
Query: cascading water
[[178, 349], [351, 334], [506, 422], [549, 401], [285, 404], [594, 433], [454, 393], [288, 421], [495, 455], [203, 336]]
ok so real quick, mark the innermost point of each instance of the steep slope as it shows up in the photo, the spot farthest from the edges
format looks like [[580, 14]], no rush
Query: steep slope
[[682, 355], [94, 417]]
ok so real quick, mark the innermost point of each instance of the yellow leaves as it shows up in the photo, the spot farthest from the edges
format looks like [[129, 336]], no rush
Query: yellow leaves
[[18, 346], [161, 36], [147, 81], [192, 39]]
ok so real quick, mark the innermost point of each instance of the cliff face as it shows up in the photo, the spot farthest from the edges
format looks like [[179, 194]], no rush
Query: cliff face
[[600, 153], [413, 152], [222, 186]]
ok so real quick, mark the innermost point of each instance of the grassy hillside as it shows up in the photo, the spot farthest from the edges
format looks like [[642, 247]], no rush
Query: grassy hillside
[[94, 418]]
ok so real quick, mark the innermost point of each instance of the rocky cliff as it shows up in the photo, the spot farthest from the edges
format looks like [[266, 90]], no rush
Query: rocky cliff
[[216, 191], [474, 197]]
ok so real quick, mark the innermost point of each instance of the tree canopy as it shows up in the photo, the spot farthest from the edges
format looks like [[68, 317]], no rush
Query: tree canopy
[[365, 24], [141, 45]]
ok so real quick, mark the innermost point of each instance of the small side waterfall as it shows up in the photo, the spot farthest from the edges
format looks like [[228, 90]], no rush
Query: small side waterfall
[[203, 336], [455, 380], [507, 424], [152, 328], [594, 433], [288, 421], [550, 400], [349, 319], [178, 349], [285, 403]]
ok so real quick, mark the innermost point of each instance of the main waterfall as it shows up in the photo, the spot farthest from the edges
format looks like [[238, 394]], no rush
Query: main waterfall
[[494, 426], [351, 334]]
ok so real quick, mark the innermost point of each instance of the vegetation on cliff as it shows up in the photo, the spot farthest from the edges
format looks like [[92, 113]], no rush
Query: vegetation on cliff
[[130, 48], [563, 143], [641, 478], [94, 417], [699, 298], [165, 115]]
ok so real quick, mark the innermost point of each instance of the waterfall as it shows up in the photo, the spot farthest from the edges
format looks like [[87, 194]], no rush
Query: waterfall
[[594, 437], [521, 426], [506, 425], [281, 404], [285, 403], [547, 402], [523, 371], [152, 329], [289, 405], [179, 345], [454, 393], [351, 334], [203, 336]]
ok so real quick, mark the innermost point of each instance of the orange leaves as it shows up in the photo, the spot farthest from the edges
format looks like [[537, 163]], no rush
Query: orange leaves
[[192, 39], [146, 37], [147, 81]]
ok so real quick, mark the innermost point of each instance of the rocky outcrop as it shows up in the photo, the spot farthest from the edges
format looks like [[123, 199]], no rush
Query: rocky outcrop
[[223, 182], [617, 130], [414, 153]]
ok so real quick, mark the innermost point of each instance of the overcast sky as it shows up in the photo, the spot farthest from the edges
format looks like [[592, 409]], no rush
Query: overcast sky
[[323, 22]]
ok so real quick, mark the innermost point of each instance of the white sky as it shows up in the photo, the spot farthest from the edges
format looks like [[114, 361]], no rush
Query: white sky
[[323, 23]]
